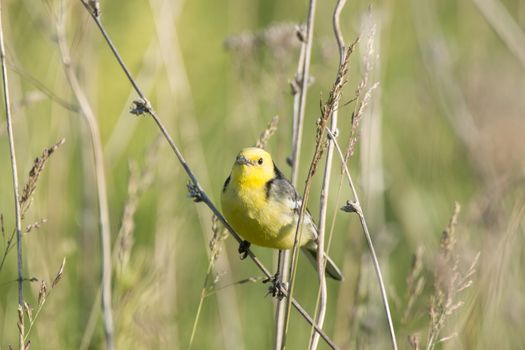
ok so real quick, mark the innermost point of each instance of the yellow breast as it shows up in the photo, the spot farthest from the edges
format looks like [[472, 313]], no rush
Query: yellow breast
[[257, 220]]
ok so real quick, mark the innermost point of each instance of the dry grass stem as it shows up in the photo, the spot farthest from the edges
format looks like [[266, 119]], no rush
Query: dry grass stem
[[14, 175], [322, 298], [306, 37], [283, 257], [100, 177]]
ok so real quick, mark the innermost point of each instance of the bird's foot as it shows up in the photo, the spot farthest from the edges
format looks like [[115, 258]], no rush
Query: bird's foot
[[277, 287], [243, 249]]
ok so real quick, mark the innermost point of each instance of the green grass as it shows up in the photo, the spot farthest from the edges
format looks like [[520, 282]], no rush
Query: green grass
[[223, 107]]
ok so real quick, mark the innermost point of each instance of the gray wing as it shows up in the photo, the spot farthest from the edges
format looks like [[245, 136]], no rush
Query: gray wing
[[281, 189]]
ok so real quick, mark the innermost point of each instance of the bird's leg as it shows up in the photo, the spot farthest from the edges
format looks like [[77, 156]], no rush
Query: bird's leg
[[277, 286], [243, 249]]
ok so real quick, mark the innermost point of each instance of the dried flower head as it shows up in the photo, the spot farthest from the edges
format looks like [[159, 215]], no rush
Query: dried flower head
[[59, 274], [34, 174], [42, 293], [268, 132], [449, 280]]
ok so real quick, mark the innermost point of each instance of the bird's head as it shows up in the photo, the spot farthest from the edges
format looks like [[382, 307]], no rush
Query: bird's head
[[253, 165]]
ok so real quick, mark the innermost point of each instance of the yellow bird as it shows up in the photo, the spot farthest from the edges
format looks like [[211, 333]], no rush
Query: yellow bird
[[263, 207]]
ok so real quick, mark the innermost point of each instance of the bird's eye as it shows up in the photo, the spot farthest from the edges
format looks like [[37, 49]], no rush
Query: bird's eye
[[260, 161]]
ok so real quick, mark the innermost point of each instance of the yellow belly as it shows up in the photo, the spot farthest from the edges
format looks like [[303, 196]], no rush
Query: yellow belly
[[261, 222]]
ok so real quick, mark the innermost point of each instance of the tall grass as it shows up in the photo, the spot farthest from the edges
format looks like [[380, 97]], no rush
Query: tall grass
[[450, 110]]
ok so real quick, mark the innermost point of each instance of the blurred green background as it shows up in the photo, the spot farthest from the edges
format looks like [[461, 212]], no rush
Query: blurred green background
[[446, 123]]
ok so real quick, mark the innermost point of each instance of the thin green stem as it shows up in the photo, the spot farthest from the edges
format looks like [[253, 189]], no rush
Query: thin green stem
[[10, 136]]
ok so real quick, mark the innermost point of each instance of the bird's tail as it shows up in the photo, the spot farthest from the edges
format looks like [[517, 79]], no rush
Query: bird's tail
[[331, 270]]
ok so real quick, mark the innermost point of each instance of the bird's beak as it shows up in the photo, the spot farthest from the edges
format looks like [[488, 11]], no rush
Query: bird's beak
[[241, 160]]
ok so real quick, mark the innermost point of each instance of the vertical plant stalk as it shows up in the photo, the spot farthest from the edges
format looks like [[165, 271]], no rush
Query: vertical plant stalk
[[323, 207], [143, 106], [304, 80], [282, 311], [14, 173], [284, 255], [105, 233], [355, 207]]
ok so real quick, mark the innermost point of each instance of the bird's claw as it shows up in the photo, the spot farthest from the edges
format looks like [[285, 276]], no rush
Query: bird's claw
[[277, 287], [243, 249]]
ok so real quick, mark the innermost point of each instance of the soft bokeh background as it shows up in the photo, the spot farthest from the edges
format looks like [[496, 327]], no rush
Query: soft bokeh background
[[446, 123]]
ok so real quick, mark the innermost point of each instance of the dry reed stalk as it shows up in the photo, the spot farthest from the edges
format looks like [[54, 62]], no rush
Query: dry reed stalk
[[322, 298], [142, 106], [307, 38], [283, 258], [91, 121]]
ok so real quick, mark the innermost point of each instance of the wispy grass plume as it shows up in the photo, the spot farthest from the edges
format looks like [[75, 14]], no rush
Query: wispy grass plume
[[450, 279]]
